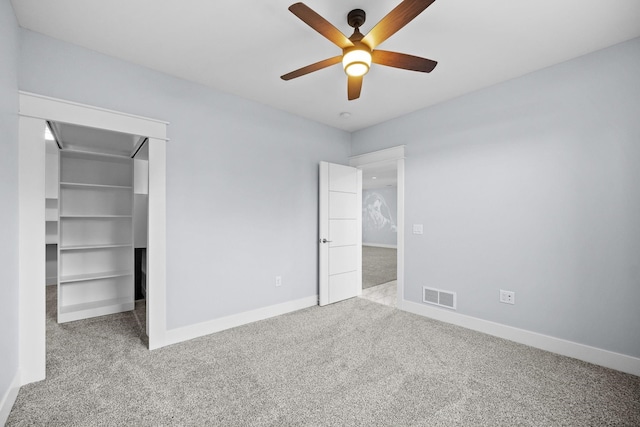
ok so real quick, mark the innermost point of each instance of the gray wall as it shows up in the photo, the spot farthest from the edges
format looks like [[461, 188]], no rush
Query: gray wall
[[241, 179], [531, 186], [8, 195], [380, 216]]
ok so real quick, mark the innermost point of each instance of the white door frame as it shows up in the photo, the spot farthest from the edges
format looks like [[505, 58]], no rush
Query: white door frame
[[34, 111], [384, 156]]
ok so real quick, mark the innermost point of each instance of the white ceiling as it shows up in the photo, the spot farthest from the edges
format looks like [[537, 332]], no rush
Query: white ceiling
[[379, 175], [81, 138], [243, 46]]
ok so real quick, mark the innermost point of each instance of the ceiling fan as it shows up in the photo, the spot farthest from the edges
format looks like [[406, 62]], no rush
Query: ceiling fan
[[358, 51]]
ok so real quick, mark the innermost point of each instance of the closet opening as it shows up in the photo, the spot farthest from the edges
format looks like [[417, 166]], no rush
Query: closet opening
[[96, 223], [34, 111]]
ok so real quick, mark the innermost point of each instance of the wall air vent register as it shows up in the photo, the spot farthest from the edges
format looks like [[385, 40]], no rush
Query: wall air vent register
[[439, 297]]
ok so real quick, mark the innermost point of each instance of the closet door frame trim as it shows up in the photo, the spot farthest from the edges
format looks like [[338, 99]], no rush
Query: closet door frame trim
[[34, 111]]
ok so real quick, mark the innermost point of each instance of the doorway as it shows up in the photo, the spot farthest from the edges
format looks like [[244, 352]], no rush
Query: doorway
[[383, 225], [379, 232], [97, 187], [35, 111]]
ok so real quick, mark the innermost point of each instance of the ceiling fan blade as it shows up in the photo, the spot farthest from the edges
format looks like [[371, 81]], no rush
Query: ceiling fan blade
[[311, 68], [402, 60], [354, 86], [321, 25], [396, 19]]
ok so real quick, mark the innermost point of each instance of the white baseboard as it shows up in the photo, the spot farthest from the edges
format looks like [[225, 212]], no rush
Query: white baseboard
[[185, 333], [380, 245], [597, 356], [9, 398]]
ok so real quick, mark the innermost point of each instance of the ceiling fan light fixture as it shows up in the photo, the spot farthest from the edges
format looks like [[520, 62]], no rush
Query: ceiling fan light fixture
[[356, 62], [357, 50]]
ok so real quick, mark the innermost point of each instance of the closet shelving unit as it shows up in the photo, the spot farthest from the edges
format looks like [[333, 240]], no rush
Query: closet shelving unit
[[95, 250]]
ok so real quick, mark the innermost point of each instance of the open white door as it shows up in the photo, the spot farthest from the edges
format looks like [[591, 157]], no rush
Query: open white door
[[340, 228]]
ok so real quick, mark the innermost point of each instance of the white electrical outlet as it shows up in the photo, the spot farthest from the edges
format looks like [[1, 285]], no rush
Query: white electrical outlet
[[278, 280], [507, 297]]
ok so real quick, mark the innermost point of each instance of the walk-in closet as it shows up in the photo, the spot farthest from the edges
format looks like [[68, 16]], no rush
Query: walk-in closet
[[96, 213]]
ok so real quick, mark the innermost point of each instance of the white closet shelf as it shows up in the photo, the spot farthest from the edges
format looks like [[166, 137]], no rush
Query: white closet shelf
[[85, 247], [93, 186], [96, 235], [94, 276], [68, 313]]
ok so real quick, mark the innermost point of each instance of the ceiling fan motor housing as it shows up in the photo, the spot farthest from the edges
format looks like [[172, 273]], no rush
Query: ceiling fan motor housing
[[356, 18]]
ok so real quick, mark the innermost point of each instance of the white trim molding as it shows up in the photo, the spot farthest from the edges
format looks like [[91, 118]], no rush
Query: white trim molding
[[380, 156], [9, 398], [60, 110], [185, 333], [400, 229], [157, 239], [597, 356], [31, 249], [34, 111]]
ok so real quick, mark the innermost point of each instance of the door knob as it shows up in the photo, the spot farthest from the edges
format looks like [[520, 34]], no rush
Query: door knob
[[325, 241]]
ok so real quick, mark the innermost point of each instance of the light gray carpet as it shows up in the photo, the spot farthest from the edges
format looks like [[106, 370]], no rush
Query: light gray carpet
[[354, 363], [379, 265]]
